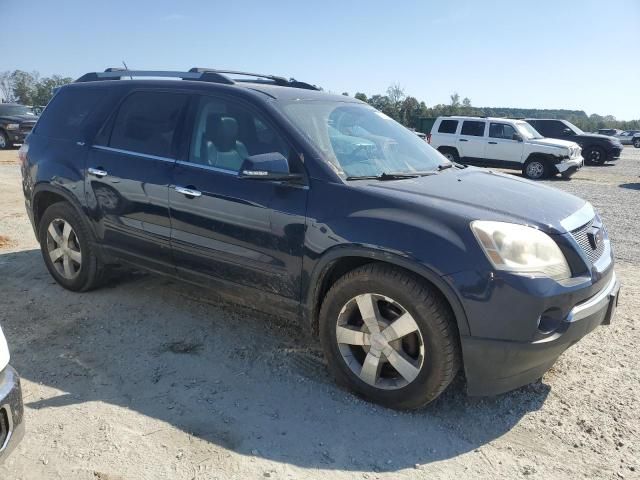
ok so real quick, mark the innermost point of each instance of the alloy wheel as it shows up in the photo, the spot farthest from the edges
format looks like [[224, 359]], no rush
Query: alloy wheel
[[3, 141], [64, 249], [380, 341], [594, 155]]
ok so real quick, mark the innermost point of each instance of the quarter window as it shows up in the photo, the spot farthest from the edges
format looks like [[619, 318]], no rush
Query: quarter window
[[472, 127], [70, 108], [448, 126], [225, 133], [147, 123], [501, 130]]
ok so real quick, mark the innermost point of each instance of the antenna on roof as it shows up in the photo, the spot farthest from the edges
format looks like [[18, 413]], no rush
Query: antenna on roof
[[127, 69]]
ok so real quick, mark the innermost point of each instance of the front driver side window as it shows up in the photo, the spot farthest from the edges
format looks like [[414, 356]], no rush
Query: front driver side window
[[226, 133], [501, 130]]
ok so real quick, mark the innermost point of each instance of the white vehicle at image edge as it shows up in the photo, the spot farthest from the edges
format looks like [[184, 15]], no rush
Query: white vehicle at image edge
[[505, 143]]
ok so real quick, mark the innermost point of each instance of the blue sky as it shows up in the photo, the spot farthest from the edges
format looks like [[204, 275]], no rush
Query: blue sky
[[542, 54]]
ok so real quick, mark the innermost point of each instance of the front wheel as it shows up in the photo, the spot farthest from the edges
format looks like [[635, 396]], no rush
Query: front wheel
[[636, 142], [389, 336], [4, 141], [535, 169]]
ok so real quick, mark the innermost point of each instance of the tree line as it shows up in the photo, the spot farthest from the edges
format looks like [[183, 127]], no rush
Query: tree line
[[29, 88], [32, 89], [407, 110]]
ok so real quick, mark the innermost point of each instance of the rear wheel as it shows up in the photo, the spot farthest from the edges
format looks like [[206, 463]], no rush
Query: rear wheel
[[389, 337], [636, 142], [595, 156], [535, 169], [65, 242]]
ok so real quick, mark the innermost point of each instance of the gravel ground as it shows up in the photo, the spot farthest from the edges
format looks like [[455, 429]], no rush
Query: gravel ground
[[151, 379]]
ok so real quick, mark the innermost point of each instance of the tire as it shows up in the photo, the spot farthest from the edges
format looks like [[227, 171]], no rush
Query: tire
[[450, 154], [431, 344], [4, 141], [636, 142], [595, 156], [70, 254], [535, 169]]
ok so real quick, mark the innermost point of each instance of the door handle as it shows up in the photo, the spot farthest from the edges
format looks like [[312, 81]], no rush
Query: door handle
[[492, 143], [97, 172], [189, 192], [463, 140]]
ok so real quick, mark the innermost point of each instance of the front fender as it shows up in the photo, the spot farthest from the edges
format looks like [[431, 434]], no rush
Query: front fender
[[323, 265]]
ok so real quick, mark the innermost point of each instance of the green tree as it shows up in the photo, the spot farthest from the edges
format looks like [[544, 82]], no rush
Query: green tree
[[361, 96], [44, 89], [23, 85]]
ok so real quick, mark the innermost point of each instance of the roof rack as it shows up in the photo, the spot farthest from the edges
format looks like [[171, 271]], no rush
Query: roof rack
[[195, 74], [280, 81]]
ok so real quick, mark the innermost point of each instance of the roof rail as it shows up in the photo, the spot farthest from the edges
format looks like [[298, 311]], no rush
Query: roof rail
[[196, 74], [280, 81], [115, 73]]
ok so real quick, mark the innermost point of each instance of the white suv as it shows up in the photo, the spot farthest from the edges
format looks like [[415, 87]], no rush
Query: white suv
[[504, 143]]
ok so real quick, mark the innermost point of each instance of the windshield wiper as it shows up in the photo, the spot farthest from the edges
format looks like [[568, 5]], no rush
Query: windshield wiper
[[387, 176], [445, 166]]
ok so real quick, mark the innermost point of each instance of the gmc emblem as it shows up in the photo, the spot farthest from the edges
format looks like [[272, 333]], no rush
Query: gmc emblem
[[595, 236]]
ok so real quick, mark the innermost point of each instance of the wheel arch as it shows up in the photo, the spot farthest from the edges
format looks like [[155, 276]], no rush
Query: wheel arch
[[45, 195], [340, 260]]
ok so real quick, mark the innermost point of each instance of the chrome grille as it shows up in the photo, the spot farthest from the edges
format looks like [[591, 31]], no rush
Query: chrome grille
[[580, 235], [26, 127]]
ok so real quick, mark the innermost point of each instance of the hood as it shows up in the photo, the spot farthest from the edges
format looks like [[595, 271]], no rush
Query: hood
[[480, 194], [553, 142], [19, 118], [596, 136]]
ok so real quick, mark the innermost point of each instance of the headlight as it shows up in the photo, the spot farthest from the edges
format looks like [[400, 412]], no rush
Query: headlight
[[4, 351], [13, 126], [520, 249]]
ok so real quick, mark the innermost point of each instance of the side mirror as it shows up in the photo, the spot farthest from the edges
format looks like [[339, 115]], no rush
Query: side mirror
[[517, 137], [267, 166]]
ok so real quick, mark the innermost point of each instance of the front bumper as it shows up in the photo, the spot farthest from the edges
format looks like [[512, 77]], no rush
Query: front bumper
[[11, 411], [570, 166], [614, 152], [17, 136], [494, 366]]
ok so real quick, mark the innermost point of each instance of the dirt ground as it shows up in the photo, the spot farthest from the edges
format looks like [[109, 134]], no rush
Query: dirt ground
[[147, 378]]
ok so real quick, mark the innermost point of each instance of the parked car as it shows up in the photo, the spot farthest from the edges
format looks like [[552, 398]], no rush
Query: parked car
[[11, 407], [627, 137], [609, 132], [321, 208], [596, 149], [16, 122], [504, 143]]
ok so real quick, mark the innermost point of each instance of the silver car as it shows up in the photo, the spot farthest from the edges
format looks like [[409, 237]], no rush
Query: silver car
[[626, 137]]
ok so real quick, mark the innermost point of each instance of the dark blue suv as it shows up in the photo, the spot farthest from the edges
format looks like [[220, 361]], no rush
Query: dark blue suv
[[317, 206]]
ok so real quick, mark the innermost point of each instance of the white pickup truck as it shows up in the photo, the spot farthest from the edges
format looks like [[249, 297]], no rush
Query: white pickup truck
[[505, 143]]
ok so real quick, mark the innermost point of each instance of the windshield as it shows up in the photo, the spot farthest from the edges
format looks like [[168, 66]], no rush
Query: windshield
[[527, 131], [358, 140], [15, 110], [575, 129]]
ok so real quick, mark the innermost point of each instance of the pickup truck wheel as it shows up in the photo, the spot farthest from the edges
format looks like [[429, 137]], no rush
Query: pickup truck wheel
[[450, 154], [636, 142], [535, 169], [4, 140], [388, 336], [66, 245], [595, 156]]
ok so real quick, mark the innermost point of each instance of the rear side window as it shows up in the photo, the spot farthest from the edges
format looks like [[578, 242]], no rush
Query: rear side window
[[472, 127], [448, 126], [147, 123], [68, 111]]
